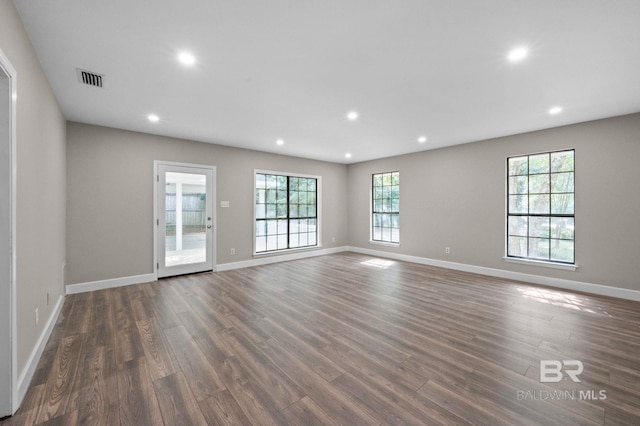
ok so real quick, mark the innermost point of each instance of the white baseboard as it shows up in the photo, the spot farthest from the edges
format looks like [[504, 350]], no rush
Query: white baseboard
[[602, 290], [265, 260], [139, 279], [24, 379], [111, 283]]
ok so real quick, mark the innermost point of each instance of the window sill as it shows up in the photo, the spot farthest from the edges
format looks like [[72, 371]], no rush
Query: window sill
[[542, 263], [383, 243], [286, 251]]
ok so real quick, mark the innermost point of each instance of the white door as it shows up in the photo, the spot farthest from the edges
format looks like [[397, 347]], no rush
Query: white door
[[185, 222], [7, 239]]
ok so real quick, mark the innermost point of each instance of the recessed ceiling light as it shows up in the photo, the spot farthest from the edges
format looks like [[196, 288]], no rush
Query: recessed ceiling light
[[348, 155], [280, 142], [518, 54], [352, 116], [422, 139], [153, 118], [186, 58], [555, 110]]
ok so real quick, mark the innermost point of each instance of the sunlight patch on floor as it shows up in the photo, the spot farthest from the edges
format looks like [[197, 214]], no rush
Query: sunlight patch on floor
[[556, 298], [378, 263]]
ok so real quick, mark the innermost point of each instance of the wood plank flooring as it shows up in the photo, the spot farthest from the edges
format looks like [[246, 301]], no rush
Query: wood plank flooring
[[343, 339]]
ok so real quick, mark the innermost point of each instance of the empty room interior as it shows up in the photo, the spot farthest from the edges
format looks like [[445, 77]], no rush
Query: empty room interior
[[362, 212]]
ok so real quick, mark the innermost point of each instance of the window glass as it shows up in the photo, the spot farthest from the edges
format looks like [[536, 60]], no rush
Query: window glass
[[385, 221], [286, 212], [540, 206]]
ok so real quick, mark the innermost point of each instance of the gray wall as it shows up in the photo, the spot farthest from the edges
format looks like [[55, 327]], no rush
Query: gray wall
[[110, 198], [41, 185], [455, 197], [452, 197]]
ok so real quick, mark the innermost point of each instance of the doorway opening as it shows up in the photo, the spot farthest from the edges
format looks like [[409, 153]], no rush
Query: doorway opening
[[8, 333], [185, 218]]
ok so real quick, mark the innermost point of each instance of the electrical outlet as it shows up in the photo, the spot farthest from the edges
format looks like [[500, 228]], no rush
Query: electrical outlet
[[48, 297], [447, 250], [37, 317], [333, 239], [233, 252]]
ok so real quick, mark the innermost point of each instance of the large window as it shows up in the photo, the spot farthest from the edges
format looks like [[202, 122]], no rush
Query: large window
[[286, 212], [385, 221], [540, 213]]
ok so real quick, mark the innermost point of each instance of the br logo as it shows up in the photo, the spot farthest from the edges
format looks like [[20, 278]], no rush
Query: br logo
[[551, 371]]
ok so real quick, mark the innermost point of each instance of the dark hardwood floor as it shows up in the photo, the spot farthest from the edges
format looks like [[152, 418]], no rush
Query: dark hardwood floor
[[340, 339]]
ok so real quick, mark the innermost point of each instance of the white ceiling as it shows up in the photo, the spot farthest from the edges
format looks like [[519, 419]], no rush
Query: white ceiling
[[292, 69]]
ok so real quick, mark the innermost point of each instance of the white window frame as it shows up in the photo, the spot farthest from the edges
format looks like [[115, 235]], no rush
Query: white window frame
[[531, 261], [371, 213]]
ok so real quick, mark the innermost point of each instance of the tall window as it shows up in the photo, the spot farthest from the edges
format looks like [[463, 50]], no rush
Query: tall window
[[386, 207], [540, 216], [286, 212]]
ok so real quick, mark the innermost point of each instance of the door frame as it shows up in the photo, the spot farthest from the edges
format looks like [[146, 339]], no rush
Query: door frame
[[156, 218], [9, 398]]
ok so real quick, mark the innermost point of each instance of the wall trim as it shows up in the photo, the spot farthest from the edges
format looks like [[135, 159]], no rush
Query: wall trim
[[146, 278], [598, 289], [265, 260], [110, 283], [32, 363]]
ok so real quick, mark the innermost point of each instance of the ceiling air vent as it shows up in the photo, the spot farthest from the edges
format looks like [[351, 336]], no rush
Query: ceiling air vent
[[90, 78]]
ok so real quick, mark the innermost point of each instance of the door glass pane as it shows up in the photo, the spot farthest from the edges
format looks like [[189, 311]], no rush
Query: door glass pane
[[186, 218]]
